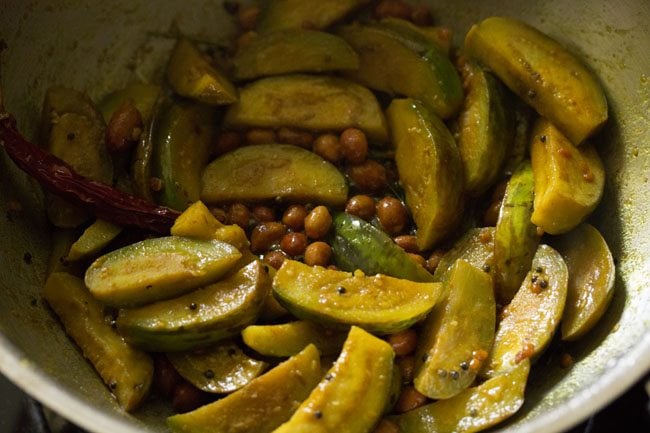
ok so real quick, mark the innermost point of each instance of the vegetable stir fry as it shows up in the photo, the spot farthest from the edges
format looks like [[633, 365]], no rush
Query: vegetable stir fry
[[344, 223]]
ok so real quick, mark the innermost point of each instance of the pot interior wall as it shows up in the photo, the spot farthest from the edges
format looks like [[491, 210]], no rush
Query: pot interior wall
[[99, 46]]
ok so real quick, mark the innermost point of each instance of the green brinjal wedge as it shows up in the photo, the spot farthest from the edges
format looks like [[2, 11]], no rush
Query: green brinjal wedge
[[357, 244], [199, 318], [183, 139], [268, 172], [417, 68], [591, 279], [516, 238], [485, 128], [455, 332], [475, 247], [529, 322], [158, 268], [320, 103], [430, 169], [293, 50]]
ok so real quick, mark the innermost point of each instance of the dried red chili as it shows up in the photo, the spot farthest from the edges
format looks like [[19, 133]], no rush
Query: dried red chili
[[60, 178]]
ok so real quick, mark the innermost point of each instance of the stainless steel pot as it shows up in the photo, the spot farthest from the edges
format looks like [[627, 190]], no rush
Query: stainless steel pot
[[97, 46]]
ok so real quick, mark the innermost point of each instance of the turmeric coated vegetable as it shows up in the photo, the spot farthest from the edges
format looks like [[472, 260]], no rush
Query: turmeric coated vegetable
[[319, 210]]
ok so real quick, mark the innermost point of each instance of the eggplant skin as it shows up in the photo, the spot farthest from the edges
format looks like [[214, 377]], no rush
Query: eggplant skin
[[542, 72], [430, 169], [485, 128]]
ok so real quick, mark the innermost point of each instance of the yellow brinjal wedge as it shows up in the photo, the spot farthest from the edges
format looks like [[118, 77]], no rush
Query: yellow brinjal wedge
[[338, 299], [476, 247], [569, 180], [516, 238], [591, 279], [454, 332], [417, 68], [262, 405], [485, 128], [199, 318], [158, 268], [273, 172], [73, 130], [542, 72], [293, 50], [198, 222], [310, 102], [305, 14], [96, 237], [528, 323], [126, 371], [353, 394], [287, 339], [183, 139], [429, 167], [190, 74], [221, 368], [472, 410]]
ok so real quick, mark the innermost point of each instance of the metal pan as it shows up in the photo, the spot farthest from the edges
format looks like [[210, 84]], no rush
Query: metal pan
[[97, 46]]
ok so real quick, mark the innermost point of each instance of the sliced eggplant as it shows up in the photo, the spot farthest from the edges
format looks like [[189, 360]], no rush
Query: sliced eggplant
[[184, 136], [262, 405], [95, 238], [529, 322], [455, 331], [591, 279], [309, 102], [73, 130], [128, 372], [191, 74], [158, 268], [516, 238], [287, 339], [439, 36], [200, 318], [569, 180], [222, 368], [293, 50], [417, 68], [269, 172], [430, 169], [542, 72], [338, 299], [484, 130], [301, 14], [357, 244], [353, 394], [475, 247], [472, 410]]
